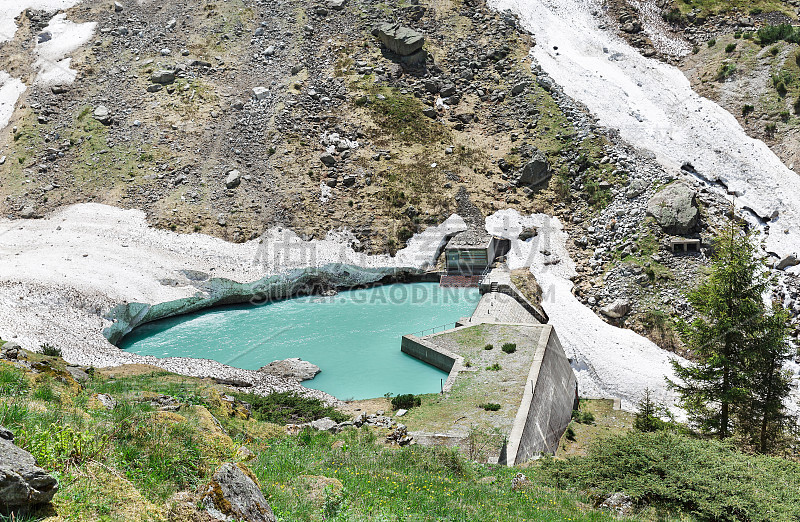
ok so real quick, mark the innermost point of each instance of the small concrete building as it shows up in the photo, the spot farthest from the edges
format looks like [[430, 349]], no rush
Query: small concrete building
[[472, 251]]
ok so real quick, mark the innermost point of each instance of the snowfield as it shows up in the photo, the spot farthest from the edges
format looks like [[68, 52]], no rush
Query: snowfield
[[52, 61], [653, 107]]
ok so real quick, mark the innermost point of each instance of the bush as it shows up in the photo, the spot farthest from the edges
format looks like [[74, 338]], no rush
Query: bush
[[570, 433], [774, 50], [784, 116], [494, 367], [747, 109], [290, 408], [509, 347], [57, 447], [673, 16], [730, 48], [712, 42], [705, 480], [488, 347], [50, 350], [406, 401], [583, 417], [490, 406], [770, 129], [725, 71], [775, 33], [737, 35]]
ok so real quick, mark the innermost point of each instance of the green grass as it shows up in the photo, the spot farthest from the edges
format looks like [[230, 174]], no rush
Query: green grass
[[712, 7], [412, 483], [123, 464]]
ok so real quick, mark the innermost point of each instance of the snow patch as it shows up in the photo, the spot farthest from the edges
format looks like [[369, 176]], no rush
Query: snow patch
[[10, 91], [10, 9], [65, 37]]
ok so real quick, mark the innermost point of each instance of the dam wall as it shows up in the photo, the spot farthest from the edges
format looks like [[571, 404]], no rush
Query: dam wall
[[546, 408]]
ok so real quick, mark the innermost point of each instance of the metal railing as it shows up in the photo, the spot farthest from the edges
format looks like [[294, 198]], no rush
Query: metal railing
[[433, 330]]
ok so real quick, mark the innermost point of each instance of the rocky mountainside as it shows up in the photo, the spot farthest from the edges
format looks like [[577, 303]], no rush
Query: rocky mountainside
[[228, 118]]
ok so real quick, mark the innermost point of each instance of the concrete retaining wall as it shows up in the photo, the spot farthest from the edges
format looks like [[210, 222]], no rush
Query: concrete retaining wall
[[437, 357], [546, 406]]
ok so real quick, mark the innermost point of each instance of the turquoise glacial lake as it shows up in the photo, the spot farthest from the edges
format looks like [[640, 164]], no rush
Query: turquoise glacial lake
[[354, 337]]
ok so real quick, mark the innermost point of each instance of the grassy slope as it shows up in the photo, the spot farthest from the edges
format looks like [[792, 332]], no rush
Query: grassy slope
[[125, 463]]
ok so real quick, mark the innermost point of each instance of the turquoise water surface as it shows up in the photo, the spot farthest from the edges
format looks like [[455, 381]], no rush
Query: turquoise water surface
[[353, 337]]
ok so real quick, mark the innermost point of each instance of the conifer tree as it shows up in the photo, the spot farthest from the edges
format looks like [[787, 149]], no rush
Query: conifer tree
[[764, 419], [729, 322]]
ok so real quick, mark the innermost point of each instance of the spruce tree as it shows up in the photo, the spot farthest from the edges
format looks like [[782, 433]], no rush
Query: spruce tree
[[730, 314], [764, 419]]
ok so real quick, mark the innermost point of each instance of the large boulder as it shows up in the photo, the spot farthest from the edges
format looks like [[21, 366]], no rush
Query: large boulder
[[400, 39], [293, 368], [234, 494], [675, 208], [536, 171], [22, 482], [617, 309]]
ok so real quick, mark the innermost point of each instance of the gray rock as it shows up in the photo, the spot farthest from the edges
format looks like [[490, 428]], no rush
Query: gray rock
[[22, 483], [328, 160], [118, 7], [399, 39], [77, 373], [233, 180], [6, 434], [336, 5], [325, 424], [163, 77], [617, 309], [787, 262], [154, 87], [675, 208], [519, 88], [536, 171], [27, 212], [107, 401], [635, 189], [260, 93], [234, 495], [292, 368], [102, 114]]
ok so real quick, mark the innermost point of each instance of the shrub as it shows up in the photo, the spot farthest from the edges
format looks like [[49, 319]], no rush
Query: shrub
[[747, 109], [570, 433], [774, 50], [673, 16], [737, 35], [706, 480], [50, 350], [781, 88], [583, 417], [775, 33], [712, 42], [488, 347], [494, 367], [784, 116], [796, 106], [406, 401], [490, 406], [730, 48], [288, 407], [725, 71], [770, 129], [57, 447], [509, 347], [747, 35]]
